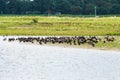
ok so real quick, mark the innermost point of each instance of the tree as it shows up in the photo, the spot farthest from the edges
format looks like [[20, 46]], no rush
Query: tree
[[63, 6]]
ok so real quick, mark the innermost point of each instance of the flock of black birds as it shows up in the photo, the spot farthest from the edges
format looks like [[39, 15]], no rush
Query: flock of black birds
[[76, 40]]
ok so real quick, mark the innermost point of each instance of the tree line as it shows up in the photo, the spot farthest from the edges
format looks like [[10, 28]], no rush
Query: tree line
[[60, 6]]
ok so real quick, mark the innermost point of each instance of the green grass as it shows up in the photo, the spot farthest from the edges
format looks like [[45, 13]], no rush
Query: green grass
[[110, 45], [59, 26], [63, 26]]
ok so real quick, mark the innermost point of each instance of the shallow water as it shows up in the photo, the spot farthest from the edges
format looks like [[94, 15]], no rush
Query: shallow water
[[37, 62]]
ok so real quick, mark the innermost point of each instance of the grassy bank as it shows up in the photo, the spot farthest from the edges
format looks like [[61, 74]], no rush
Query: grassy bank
[[110, 45], [115, 46], [101, 43], [55, 26]]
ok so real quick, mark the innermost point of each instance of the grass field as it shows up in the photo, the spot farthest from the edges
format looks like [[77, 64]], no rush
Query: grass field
[[63, 26], [59, 26]]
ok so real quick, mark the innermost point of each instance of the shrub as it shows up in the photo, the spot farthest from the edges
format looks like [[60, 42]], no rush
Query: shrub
[[35, 20]]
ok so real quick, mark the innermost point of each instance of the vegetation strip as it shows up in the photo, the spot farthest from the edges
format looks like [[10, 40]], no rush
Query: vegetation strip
[[59, 26], [102, 42]]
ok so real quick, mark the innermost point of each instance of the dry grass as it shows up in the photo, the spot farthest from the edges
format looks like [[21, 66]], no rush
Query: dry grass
[[59, 26]]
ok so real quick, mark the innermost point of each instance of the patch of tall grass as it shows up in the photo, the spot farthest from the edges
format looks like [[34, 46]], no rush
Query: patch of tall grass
[[73, 26]]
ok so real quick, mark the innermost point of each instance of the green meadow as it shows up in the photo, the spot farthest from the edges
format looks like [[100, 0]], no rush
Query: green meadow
[[59, 26]]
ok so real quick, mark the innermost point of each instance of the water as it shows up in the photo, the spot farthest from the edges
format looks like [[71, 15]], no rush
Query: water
[[37, 62]]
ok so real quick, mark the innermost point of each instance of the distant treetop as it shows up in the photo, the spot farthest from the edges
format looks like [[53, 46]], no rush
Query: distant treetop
[[61, 6]]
